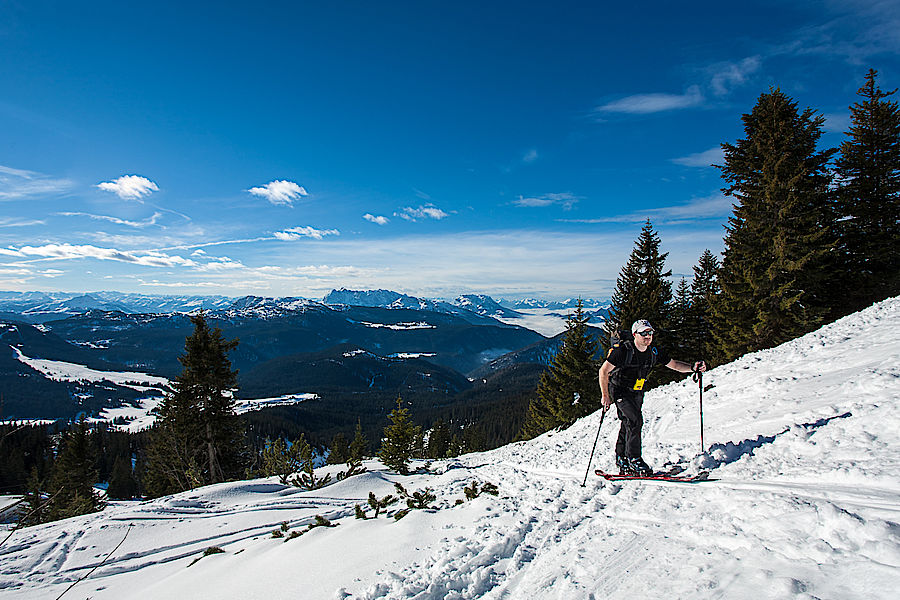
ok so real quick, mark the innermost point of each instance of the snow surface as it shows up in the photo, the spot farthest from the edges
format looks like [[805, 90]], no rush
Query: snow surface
[[65, 371], [804, 502], [139, 413]]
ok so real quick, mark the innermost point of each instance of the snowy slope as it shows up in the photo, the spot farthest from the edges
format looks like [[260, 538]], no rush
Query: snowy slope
[[803, 445]]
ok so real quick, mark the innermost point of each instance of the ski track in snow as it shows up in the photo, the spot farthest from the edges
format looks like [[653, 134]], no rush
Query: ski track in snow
[[802, 445]]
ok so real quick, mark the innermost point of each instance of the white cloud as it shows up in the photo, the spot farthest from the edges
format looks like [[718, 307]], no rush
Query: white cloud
[[296, 233], [566, 199], [702, 159], [145, 223], [16, 222], [422, 195], [530, 156], [280, 192], [428, 211], [19, 183], [837, 122], [379, 220], [697, 209], [726, 76], [653, 103], [129, 187], [222, 263], [150, 258]]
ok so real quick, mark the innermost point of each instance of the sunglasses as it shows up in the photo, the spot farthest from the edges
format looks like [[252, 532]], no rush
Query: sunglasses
[[647, 333]]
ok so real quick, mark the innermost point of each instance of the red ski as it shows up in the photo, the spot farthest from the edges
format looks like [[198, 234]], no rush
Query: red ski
[[701, 476]]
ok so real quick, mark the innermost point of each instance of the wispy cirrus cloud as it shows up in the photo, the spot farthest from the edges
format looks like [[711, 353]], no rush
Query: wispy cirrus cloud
[[702, 159], [138, 224], [642, 104], [565, 199], [296, 233], [16, 184], [16, 222], [129, 187], [280, 192], [147, 258], [428, 211], [378, 220], [724, 77], [709, 207]]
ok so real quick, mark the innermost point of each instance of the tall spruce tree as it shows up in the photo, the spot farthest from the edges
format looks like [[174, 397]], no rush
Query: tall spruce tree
[[682, 335], [122, 483], [643, 289], [359, 447], [438, 445], [401, 439], [779, 242], [74, 475], [704, 288], [568, 388], [869, 199], [198, 439]]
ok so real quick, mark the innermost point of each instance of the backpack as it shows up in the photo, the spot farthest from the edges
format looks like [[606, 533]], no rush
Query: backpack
[[625, 339]]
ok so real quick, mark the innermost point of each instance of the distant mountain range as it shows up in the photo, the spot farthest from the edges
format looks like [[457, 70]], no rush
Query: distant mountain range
[[35, 307], [353, 342]]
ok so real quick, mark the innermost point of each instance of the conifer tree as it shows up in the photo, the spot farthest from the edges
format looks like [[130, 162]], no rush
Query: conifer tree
[[438, 440], [643, 289], [401, 438], [779, 239], [74, 475], [568, 388], [122, 483], [704, 288], [869, 199], [35, 509], [198, 439], [681, 336], [339, 451], [281, 459], [359, 446]]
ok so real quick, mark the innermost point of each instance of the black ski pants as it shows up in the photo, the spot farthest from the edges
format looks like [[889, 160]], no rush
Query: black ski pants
[[628, 405]]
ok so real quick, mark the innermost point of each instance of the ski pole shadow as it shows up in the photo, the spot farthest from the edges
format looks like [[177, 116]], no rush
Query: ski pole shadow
[[720, 455]]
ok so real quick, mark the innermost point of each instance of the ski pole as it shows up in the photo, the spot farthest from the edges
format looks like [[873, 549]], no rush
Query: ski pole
[[698, 377], [594, 447]]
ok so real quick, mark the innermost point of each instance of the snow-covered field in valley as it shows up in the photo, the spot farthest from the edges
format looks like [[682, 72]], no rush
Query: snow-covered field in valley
[[803, 449]]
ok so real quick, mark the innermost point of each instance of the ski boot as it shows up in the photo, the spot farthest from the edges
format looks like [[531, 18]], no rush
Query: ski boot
[[637, 466], [624, 465]]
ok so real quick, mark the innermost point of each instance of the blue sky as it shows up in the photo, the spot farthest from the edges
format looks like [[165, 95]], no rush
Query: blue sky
[[433, 148]]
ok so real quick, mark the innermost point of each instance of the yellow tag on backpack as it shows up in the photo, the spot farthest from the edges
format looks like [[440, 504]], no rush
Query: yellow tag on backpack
[[639, 384]]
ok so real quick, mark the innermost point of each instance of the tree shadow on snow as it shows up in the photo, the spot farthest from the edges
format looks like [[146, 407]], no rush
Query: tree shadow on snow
[[723, 454]]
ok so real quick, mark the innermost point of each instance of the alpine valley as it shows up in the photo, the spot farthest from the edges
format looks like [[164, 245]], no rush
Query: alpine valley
[[324, 364]]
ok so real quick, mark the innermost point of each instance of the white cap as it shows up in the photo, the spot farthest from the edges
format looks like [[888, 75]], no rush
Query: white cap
[[641, 325]]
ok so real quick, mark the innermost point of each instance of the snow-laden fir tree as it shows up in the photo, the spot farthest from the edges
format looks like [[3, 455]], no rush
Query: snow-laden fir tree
[[779, 246], [568, 388], [197, 439], [401, 440], [869, 199]]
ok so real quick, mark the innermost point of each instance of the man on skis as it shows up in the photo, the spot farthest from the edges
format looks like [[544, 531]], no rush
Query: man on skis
[[622, 378]]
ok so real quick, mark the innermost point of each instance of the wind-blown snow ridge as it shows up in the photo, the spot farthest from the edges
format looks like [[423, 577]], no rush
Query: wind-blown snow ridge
[[805, 503]]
